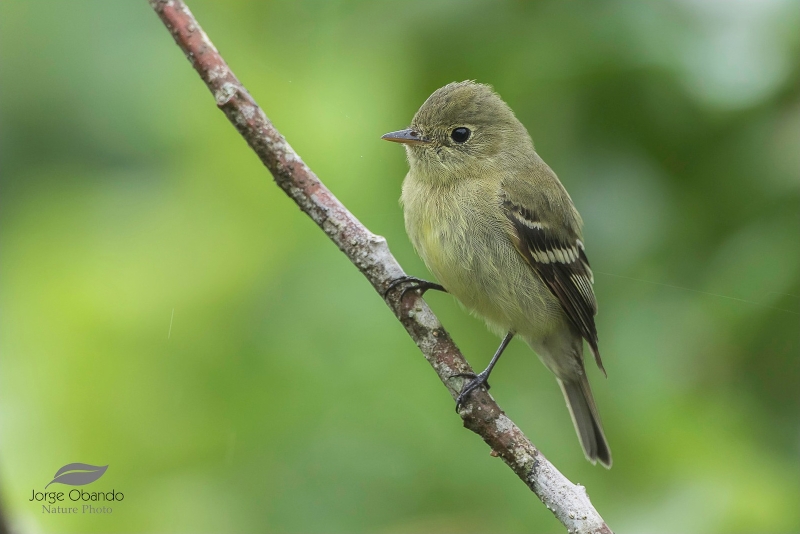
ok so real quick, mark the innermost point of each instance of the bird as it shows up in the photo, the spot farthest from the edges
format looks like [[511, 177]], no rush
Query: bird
[[498, 230]]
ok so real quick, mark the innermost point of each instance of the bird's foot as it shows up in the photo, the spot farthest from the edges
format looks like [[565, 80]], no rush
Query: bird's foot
[[481, 379], [412, 283]]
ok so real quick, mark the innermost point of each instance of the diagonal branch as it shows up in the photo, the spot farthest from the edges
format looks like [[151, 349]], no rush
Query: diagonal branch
[[370, 253]]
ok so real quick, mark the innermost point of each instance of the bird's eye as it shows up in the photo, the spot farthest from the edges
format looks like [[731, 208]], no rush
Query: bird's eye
[[460, 135]]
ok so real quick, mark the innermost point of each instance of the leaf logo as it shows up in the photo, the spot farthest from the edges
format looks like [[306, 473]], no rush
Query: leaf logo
[[78, 474]]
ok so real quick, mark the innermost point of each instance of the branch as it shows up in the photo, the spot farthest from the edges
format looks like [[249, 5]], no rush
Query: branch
[[370, 253]]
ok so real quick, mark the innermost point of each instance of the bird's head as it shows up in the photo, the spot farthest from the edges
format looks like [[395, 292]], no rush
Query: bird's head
[[461, 130]]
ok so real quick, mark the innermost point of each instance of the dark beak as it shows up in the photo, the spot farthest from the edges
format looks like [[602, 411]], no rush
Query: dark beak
[[407, 137]]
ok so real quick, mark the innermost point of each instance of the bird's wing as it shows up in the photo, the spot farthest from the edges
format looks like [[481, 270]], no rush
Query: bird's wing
[[546, 232]]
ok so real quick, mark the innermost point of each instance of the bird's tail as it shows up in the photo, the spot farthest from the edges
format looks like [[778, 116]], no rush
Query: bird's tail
[[584, 414]]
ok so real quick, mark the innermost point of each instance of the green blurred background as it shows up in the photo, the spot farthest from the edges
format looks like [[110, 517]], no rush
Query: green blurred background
[[166, 309]]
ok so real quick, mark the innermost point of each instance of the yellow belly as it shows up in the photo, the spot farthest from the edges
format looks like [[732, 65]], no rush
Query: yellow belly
[[470, 253]]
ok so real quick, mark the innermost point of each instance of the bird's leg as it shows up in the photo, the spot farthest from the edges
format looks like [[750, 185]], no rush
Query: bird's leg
[[481, 379], [413, 284]]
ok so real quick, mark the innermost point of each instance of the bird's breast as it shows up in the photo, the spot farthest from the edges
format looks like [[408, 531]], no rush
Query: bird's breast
[[450, 232], [459, 233]]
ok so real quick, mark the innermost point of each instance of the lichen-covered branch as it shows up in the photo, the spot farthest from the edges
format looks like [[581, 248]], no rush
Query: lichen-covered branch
[[370, 253]]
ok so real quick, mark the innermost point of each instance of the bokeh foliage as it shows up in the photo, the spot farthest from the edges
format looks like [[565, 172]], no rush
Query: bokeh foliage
[[169, 312]]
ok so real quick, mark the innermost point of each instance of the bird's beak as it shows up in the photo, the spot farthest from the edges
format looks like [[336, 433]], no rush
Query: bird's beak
[[407, 137]]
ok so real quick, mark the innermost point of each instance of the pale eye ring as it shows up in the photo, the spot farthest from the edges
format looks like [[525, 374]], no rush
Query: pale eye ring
[[460, 134]]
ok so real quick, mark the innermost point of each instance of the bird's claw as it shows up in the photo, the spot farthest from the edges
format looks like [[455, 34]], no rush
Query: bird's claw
[[414, 284], [481, 379]]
